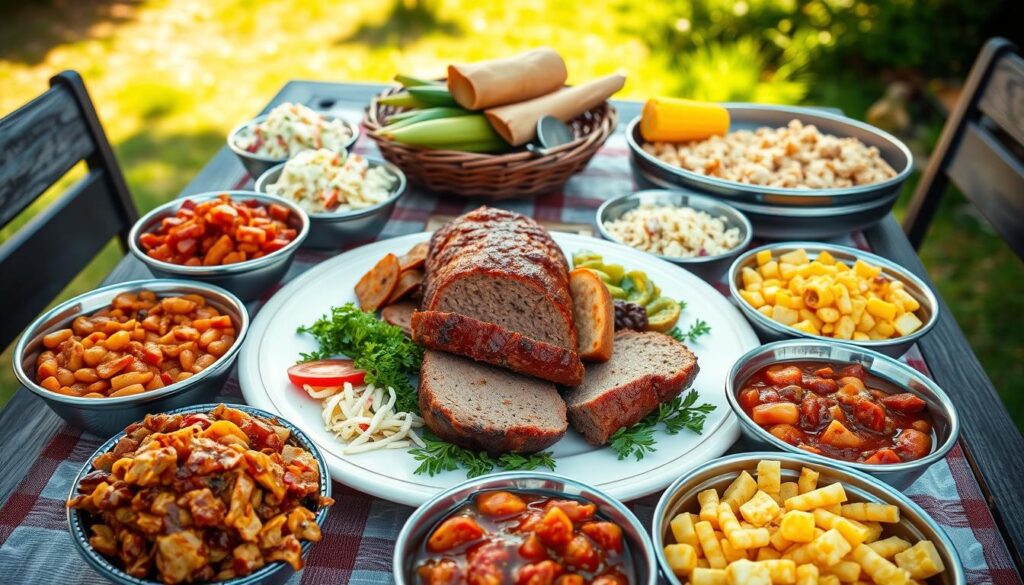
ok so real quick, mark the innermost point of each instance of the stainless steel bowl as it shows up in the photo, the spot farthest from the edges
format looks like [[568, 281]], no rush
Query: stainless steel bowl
[[771, 330], [105, 416], [275, 573], [427, 516], [781, 213], [915, 524], [772, 222], [257, 164], [710, 268], [247, 279], [332, 230], [946, 422]]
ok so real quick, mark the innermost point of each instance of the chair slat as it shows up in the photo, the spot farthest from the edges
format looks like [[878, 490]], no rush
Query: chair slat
[[39, 143], [1003, 99], [993, 180], [64, 237]]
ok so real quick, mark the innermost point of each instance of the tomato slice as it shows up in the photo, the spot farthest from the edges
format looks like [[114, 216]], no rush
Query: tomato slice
[[326, 373]]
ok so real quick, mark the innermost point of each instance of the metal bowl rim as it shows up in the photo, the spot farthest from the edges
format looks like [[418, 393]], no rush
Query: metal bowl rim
[[745, 226], [354, 128], [480, 483], [33, 330], [949, 411], [891, 494], [811, 247], [329, 217], [109, 570], [900, 176], [223, 269]]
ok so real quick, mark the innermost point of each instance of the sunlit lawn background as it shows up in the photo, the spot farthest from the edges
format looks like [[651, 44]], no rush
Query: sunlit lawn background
[[171, 78]]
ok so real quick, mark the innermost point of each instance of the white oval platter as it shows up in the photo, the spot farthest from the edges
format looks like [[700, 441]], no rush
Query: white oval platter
[[273, 345]]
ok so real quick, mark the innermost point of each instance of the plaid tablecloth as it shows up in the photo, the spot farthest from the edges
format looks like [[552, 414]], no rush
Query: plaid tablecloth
[[359, 535]]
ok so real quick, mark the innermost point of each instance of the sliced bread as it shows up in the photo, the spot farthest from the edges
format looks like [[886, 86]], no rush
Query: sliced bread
[[595, 315], [482, 407], [646, 369]]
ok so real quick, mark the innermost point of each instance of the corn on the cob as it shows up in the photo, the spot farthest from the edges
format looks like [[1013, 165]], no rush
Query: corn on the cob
[[433, 95], [402, 99], [443, 132], [409, 81], [678, 120], [413, 116]]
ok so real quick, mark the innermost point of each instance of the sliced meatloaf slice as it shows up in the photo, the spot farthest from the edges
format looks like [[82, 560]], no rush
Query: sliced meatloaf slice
[[646, 369], [501, 267], [493, 344], [482, 407]]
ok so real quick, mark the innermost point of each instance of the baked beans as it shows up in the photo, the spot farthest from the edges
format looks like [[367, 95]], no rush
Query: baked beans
[[139, 343], [219, 231]]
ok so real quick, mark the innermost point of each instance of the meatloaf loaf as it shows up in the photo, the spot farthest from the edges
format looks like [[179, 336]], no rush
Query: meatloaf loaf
[[487, 342], [500, 268], [482, 407], [646, 369]]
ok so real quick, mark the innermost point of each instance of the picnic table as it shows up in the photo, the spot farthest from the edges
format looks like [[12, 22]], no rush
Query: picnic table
[[975, 493]]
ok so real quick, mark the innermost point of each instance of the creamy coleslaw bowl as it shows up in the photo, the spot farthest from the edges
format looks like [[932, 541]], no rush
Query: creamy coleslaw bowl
[[336, 228]]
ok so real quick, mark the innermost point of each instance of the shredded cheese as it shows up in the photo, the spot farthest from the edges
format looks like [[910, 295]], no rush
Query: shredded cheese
[[365, 419]]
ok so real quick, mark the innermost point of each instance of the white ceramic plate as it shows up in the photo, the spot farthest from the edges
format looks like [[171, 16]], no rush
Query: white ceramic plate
[[273, 345]]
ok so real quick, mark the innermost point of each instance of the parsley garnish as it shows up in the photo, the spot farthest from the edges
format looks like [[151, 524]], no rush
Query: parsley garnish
[[700, 327], [678, 414], [438, 456], [381, 350]]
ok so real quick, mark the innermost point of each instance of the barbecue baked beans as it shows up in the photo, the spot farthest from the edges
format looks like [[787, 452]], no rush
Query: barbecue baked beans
[[219, 231], [139, 343]]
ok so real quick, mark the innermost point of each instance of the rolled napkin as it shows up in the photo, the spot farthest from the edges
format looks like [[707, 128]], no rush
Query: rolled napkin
[[667, 119], [517, 123], [476, 86]]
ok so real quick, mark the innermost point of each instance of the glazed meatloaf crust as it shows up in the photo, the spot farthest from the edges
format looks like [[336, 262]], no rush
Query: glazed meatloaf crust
[[646, 369], [501, 267], [487, 342], [482, 407]]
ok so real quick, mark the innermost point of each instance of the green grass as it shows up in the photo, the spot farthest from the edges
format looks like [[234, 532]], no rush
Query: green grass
[[171, 77]]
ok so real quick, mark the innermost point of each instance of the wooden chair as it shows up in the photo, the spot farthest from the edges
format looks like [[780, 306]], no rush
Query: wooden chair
[[981, 149], [39, 143]]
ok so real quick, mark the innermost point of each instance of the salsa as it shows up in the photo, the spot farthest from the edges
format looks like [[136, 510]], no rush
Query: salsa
[[525, 539], [839, 411]]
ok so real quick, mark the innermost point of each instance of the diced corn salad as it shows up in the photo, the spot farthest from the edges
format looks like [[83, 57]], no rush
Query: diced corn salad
[[803, 539], [826, 297], [322, 181]]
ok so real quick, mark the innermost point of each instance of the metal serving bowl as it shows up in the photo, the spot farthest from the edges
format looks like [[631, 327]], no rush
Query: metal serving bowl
[[332, 230], [274, 573], [257, 164], [427, 516], [105, 416], [778, 212], [247, 279], [773, 330], [915, 524], [946, 422], [710, 268]]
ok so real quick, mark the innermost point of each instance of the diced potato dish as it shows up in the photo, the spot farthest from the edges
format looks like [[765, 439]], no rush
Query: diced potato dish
[[805, 535], [826, 297]]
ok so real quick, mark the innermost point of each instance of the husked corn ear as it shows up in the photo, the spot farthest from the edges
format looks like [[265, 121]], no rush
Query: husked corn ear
[[434, 95], [402, 99], [467, 132]]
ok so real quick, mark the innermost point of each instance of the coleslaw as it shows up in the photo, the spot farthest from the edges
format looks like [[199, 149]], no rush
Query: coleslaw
[[364, 418], [321, 181], [290, 129]]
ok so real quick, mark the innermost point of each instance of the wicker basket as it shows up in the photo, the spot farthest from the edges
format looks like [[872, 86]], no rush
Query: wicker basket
[[493, 176]]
